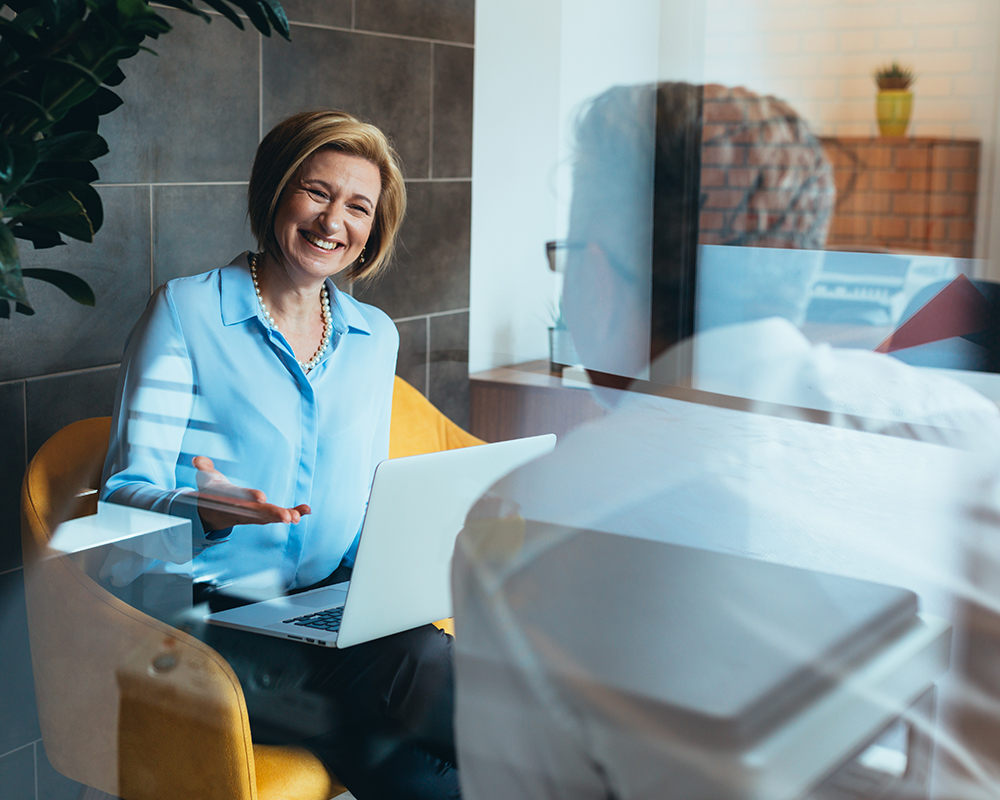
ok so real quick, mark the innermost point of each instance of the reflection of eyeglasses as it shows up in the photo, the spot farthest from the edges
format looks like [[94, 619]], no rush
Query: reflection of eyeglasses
[[555, 251]]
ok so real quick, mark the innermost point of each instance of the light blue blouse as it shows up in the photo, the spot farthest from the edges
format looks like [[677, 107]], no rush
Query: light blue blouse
[[203, 374]]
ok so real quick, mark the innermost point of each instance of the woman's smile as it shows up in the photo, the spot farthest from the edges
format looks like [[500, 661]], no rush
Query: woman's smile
[[321, 243]]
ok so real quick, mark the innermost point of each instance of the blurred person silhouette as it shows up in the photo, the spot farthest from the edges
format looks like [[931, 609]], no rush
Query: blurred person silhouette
[[742, 439]]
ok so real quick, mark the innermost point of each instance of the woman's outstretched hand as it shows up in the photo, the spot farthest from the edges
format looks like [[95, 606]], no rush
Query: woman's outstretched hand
[[222, 504]]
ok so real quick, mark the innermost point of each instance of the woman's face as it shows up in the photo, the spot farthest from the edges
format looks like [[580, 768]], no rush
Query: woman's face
[[325, 213]]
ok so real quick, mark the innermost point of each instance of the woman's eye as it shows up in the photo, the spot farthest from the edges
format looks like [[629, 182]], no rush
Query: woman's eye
[[317, 194], [361, 209]]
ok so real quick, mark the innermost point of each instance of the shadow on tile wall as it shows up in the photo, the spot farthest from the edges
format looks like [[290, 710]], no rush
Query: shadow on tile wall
[[173, 188]]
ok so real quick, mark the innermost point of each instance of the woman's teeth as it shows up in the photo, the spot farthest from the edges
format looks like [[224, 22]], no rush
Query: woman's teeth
[[321, 243]]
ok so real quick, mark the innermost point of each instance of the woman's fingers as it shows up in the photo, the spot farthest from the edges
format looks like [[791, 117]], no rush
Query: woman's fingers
[[225, 510], [213, 481], [222, 504]]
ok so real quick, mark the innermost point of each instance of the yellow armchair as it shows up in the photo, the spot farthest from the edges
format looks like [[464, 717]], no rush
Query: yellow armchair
[[130, 705], [418, 427]]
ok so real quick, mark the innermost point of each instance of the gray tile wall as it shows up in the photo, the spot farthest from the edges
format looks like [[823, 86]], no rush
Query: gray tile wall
[[173, 188]]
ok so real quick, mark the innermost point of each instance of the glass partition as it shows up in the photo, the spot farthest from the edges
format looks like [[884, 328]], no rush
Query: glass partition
[[784, 354]]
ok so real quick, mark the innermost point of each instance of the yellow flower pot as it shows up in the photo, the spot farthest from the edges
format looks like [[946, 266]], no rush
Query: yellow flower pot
[[893, 107]]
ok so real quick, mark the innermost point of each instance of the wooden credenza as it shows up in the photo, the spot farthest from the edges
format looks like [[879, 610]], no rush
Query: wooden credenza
[[526, 400], [908, 194]]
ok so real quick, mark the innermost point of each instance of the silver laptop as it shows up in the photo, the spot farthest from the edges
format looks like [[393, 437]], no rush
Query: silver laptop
[[401, 576]]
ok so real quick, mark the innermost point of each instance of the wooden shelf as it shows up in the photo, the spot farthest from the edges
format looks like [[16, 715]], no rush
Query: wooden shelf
[[526, 400]]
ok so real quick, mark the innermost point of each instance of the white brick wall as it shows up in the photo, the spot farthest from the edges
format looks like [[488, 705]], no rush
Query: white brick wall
[[819, 55]]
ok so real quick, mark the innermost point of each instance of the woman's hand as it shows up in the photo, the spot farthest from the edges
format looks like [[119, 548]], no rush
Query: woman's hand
[[222, 504]]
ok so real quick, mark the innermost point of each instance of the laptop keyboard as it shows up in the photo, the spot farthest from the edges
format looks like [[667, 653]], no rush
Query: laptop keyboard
[[328, 620]]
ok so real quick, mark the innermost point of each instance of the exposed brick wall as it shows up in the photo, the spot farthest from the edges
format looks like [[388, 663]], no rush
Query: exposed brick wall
[[764, 178], [905, 194]]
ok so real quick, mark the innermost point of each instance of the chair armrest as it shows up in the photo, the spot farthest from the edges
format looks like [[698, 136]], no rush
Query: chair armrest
[[183, 727]]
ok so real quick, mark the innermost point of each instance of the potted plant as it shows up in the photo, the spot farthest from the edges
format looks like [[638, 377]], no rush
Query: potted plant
[[894, 101], [57, 60], [562, 352]]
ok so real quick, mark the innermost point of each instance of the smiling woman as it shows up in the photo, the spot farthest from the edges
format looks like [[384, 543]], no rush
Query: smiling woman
[[323, 222], [324, 218], [255, 401]]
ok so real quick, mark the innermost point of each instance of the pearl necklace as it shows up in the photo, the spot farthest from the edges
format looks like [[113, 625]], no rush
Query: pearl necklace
[[324, 344]]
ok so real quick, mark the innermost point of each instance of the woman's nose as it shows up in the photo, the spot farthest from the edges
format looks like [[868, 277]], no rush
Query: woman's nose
[[330, 220]]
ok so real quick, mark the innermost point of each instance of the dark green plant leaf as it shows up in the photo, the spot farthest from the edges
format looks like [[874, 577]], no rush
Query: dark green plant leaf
[[65, 87], [72, 170], [6, 162], [25, 155], [79, 146], [226, 11], [278, 17], [85, 115], [115, 77], [11, 284], [4, 309], [104, 101], [65, 65], [20, 6], [21, 308], [106, 8], [65, 214], [17, 39], [257, 16], [36, 193], [189, 7], [41, 238], [64, 12], [32, 106], [75, 287], [131, 11]]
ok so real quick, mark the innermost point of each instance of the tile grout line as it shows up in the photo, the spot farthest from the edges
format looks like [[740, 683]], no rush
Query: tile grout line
[[431, 314], [183, 184], [168, 183], [439, 180], [24, 409], [260, 87], [430, 117], [10, 571], [427, 363], [354, 13], [79, 371], [23, 746], [151, 270], [352, 29], [382, 34]]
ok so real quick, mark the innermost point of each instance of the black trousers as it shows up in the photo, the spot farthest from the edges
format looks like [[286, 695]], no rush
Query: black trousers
[[378, 714]]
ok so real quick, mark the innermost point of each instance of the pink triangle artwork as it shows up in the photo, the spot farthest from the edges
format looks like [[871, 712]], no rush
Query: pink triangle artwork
[[959, 309]]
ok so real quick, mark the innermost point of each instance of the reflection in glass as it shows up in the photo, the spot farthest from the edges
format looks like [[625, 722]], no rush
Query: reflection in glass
[[760, 479]]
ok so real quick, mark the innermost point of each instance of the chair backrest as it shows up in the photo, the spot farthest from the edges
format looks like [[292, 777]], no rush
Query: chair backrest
[[418, 427], [120, 693]]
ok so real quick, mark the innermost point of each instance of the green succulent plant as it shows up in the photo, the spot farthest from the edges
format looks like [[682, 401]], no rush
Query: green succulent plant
[[58, 59], [893, 76]]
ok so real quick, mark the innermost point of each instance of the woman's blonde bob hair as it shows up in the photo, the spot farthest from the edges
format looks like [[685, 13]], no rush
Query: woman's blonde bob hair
[[291, 142]]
